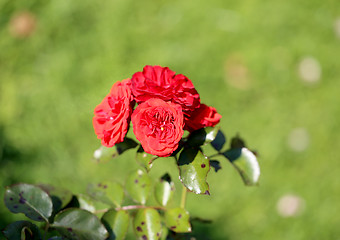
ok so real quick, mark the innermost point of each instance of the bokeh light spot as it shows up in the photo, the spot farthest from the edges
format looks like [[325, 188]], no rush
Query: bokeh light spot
[[290, 205], [310, 70], [298, 139], [236, 72], [22, 24]]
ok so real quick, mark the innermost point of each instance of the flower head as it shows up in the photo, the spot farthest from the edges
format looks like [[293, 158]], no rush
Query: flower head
[[163, 83], [112, 115], [158, 125], [204, 116]]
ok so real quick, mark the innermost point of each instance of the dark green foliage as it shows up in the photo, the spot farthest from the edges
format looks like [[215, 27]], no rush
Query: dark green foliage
[[74, 217], [164, 190], [145, 159], [104, 154], [219, 141], [147, 224], [79, 224], [178, 220], [244, 160], [215, 164], [194, 167], [110, 193], [29, 200], [138, 185], [202, 136], [246, 164], [23, 230], [117, 223]]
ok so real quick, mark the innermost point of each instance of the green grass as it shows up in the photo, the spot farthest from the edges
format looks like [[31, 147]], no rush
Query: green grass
[[51, 82]]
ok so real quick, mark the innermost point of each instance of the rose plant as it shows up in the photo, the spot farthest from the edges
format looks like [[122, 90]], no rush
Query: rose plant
[[168, 120]]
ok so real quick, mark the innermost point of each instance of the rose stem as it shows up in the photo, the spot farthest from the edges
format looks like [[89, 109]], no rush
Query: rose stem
[[46, 229], [184, 197], [130, 207], [216, 154]]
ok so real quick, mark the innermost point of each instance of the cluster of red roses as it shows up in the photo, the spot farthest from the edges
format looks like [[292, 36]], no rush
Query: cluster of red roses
[[168, 104]]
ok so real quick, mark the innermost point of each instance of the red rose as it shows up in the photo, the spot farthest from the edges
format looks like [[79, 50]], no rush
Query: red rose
[[162, 83], [158, 125], [112, 115], [204, 116]]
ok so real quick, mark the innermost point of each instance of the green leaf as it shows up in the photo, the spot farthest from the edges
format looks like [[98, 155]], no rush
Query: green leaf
[[86, 203], [194, 168], [181, 145], [64, 195], [117, 223], [60, 198], [104, 154], [126, 145], [164, 233], [147, 224], [145, 159], [215, 164], [30, 200], [219, 141], [246, 164], [202, 136], [164, 190], [56, 203], [177, 220], [74, 203], [79, 224], [23, 230], [138, 185], [237, 142], [110, 193]]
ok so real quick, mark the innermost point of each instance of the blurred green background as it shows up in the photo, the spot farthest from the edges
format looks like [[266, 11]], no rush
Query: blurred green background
[[271, 68]]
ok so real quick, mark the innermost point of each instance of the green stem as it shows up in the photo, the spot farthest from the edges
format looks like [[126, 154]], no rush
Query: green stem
[[129, 207], [46, 229], [214, 155], [184, 197]]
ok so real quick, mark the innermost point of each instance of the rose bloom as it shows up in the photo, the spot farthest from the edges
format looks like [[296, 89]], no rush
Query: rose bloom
[[161, 82], [204, 116], [112, 115], [158, 125]]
